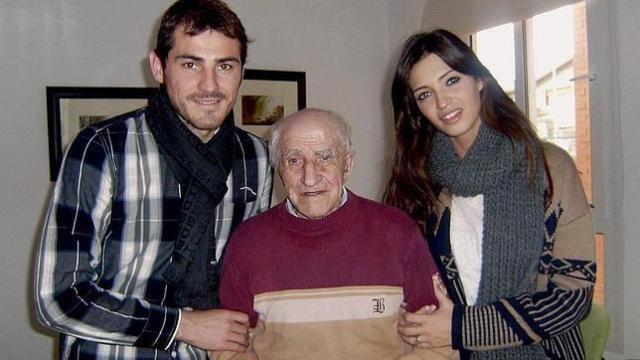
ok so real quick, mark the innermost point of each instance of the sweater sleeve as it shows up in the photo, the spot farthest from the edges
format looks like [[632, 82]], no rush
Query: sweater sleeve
[[234, 281], [566, 275], [419, 269], [235, 294], [68, 297]]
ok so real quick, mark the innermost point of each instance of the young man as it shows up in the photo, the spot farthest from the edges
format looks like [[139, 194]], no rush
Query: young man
[[145, 202], [339, 267]]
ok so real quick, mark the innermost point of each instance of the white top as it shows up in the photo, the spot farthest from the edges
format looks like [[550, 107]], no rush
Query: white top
[[466, 242]]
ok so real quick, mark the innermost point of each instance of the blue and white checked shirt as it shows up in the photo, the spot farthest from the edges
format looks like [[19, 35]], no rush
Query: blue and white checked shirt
[[109, 236]]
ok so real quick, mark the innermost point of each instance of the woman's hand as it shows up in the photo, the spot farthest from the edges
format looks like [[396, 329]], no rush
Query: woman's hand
[[429, 327]]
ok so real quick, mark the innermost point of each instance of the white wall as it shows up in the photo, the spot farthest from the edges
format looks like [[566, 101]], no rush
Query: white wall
[[405, 18], [343, 46], [627, 13]]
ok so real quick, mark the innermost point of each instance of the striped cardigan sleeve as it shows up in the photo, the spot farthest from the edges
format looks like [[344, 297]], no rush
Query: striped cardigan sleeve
[[68, 298], [565, 278]]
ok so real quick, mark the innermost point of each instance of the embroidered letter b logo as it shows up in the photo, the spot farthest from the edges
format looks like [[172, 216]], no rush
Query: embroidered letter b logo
[[378, 305]]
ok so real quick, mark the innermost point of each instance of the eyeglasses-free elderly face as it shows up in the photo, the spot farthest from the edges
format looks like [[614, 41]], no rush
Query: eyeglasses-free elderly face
[[313, 166]]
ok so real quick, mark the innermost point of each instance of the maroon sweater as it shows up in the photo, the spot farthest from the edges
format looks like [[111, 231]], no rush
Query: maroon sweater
[[341, 278]]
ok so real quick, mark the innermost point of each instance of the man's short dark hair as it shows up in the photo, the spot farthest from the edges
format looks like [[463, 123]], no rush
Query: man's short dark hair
[[194, 17]]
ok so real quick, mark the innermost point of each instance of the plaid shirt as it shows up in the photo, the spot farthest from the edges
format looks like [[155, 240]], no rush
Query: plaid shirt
[[109, 236]]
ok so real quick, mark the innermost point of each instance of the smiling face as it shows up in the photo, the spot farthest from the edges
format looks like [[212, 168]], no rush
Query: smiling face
[[449, 99], [202, 76], [312, 164]]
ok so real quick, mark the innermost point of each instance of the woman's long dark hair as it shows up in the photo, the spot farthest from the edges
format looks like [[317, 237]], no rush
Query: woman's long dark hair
[[410, 187]]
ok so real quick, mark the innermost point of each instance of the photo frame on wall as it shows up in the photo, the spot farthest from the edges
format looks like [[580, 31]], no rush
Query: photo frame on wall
[[69, 109], [266, 96]]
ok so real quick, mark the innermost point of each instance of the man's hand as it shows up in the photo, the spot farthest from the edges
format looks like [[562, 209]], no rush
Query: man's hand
[[215, 329]]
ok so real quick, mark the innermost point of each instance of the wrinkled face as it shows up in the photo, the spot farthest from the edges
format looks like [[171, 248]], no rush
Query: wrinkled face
[[449, 99], [202, 76], [313, 166]]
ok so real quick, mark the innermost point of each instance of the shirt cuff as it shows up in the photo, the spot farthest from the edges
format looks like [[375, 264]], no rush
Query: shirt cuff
[[175, 332], [161, 327]]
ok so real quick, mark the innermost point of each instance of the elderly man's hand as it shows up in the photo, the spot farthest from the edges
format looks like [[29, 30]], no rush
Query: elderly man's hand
[[215, 329], [429, 327]]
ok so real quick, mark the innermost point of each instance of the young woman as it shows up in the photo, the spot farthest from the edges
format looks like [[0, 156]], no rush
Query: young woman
[[503, 212]]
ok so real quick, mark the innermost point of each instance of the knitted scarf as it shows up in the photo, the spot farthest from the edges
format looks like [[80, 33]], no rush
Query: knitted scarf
[[202, 169], [513, 223]]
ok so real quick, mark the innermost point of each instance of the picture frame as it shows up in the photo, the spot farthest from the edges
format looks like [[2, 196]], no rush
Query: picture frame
[[69, 109], [266, 96]]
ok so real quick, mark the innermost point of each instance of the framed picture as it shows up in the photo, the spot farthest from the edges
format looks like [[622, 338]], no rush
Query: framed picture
[[69, 109], [266, 96]]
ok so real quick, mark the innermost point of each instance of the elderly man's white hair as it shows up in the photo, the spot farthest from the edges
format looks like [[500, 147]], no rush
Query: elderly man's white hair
[[337, 122]]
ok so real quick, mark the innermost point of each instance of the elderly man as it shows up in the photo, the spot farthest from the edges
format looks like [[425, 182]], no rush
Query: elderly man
[[324, 274]]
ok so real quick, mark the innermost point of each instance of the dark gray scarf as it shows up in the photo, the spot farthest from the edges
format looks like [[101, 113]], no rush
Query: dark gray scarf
[[513, 223], [202, 168]]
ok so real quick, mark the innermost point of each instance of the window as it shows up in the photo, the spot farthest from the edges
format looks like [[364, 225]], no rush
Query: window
[[542, 64], [500, 61]]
